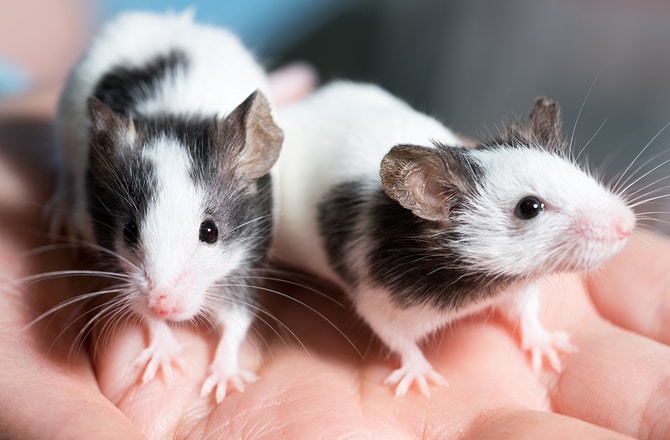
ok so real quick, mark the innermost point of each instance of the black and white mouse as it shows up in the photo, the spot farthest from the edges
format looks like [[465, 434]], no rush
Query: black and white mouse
[[167, 141], [420, 231]]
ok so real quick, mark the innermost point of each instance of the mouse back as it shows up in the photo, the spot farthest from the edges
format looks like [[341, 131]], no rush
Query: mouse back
[[336, 135]]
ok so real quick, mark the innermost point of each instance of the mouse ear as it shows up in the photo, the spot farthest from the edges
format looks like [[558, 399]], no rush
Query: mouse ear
[[544, 122], [262, 138], [109, 130], [424, 180]]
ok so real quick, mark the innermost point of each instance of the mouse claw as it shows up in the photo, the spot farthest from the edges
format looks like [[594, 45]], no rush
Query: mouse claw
[[548, 345], [220, 379], [161, 354], [419, 374]]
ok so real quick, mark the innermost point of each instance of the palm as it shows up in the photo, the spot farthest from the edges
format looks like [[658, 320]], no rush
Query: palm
[[314, 382]]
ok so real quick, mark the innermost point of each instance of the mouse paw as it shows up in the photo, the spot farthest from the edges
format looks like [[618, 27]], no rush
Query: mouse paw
[[221, 376], [550, 345], [158, 356], [406, 375]]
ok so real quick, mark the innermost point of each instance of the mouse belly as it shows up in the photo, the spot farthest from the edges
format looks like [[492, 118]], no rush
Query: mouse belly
[[402, 328]]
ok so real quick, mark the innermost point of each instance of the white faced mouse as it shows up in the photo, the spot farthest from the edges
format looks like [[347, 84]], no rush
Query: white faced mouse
[[421, 231], [168, 142]]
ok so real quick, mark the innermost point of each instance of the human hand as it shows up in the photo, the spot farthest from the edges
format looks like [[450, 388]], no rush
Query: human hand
[[313, 382]]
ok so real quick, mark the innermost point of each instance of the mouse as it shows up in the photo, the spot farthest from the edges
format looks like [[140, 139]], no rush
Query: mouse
[[419, 230], [167, 139]]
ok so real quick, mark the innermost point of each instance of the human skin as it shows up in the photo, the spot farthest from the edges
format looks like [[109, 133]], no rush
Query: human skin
[[43, 39], [321, 369]]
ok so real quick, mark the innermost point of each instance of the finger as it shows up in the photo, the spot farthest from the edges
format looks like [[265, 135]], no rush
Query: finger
[[633, 289], [49, 404], [618, 380], [526, 424], [156, 408], [292, 82]]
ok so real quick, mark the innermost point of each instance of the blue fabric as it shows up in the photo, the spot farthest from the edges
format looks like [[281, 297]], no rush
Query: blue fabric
[[266, 26]]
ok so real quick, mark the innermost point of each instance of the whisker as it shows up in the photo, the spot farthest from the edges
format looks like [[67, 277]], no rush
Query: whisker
[[69, 302], [80, 315], [590, 140], [275, 331], [118, 312], [581, 108], [302, 303], [66, 273], [46, 248], [665, 162], [655, 220], [112, 253], [642, 214], [262, 217], [651, 199], [304, 286], [633, 198], [112, 308], [639, 154], [646, 162]]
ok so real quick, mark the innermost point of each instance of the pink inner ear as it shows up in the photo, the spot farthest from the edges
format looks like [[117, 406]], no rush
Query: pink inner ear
[[434, 192], [428, 194]]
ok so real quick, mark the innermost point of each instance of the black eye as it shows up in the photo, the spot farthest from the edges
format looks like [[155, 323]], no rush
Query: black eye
[[529, 207], [208, 232], [130, 232]]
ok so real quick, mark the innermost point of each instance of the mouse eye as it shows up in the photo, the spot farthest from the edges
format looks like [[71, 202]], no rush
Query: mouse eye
[[208, 232], [529, 207], [130, 232]]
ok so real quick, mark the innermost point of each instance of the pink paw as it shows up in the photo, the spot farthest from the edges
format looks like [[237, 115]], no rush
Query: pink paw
[[220, 377], [549, 345], [156, 357], [406, 375]]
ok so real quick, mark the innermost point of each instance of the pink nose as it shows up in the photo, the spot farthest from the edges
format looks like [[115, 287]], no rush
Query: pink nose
[[162, 303], [623, 227]]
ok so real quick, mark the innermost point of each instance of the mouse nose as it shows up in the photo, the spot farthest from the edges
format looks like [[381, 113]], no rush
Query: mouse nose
[[163, 303], [623, 226], [623, 230]]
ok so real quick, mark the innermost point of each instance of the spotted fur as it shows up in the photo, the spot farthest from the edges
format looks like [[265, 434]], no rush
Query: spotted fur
[[420, 231], [165, 130]]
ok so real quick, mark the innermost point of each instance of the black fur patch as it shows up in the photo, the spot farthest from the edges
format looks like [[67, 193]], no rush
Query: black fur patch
[[241, 208], [119, 189], [340, 219], [123, 87], [414, 259]]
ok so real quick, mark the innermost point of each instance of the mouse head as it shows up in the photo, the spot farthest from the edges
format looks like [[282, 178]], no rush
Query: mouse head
[[181, 203], [514, 206]]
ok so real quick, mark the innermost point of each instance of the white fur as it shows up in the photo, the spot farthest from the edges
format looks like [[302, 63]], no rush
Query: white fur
[[575, 232]]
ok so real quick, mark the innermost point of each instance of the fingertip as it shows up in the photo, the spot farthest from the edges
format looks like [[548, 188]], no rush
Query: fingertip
[[632, 290]]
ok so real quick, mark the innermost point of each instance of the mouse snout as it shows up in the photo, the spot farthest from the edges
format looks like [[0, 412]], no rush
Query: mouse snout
[[606, 226], [163, 303], [623, 227], [622, 223]]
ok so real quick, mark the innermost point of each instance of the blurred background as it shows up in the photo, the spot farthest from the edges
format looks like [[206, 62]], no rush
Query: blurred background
[[472, 64]]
